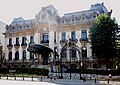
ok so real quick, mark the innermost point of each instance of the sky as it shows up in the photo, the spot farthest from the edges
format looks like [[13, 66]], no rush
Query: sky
[[10, 9]]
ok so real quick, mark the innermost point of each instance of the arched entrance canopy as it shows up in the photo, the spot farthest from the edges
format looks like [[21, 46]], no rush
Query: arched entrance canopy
[[39, 49]]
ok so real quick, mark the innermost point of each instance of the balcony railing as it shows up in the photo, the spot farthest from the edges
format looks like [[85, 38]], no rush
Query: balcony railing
[[24, 44], [10, 46], [63, 41], [31, 43], [74, 40], [45, 41], [83, 40], [17, 45]]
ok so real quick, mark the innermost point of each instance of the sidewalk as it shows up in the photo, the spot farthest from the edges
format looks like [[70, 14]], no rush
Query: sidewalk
[[46, 81]]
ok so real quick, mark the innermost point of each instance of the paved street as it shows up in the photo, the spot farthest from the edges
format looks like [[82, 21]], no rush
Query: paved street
[[37, 81]]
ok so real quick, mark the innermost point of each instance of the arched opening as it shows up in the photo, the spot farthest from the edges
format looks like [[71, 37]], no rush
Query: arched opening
[[73, 53], [15, 66], [8, 66], [84, 51], [31, 56], [10, 55], [23, 66], [16, 55], [73, 57]]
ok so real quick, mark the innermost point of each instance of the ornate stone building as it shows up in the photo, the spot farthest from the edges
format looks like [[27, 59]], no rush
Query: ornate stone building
[[61, 34]]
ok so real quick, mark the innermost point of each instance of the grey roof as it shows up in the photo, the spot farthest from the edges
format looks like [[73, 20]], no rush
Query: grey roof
[[20, 23], [98, 8], [52, 15]]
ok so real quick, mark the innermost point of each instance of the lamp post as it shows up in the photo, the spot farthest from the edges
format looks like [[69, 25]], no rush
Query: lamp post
[[83, 55], [70, 66], [81, 64], [109, 76], [55, 57], [69, 49]]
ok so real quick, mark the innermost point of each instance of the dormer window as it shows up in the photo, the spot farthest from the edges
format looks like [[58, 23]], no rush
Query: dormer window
[[63, 20], [42, 16], [94, 14], [83, 16], [73, 18]]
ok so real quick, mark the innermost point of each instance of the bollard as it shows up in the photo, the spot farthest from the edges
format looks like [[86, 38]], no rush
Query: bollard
[[15, 77], [32, 78], [7, 76], [23, 77], [90, 77], [83, 80], [41, 78], [108, 80], [51, 78], [95, 80]]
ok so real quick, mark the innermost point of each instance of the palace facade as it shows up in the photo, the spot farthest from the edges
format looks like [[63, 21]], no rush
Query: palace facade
[[54, 31]]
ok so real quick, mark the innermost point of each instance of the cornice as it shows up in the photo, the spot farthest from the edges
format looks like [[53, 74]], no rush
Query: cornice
[[20, 33]]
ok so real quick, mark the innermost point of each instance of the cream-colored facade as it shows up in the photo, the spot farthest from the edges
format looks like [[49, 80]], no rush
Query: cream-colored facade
[[52, 30]]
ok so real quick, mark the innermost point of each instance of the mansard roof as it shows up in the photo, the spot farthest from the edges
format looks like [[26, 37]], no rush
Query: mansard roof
[[20, 24], [50, 15], [20, 21], [97, 8]]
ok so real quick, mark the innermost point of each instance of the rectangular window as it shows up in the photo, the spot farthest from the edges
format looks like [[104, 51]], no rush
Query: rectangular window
[[31, 39], [63, 36], [10, 41], [45, 37], [17, 41], [84, 35], [73, 35], [24, 40]]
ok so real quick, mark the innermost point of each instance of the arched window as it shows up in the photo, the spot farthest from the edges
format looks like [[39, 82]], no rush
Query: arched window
[[10, 56], [63, 53], [31, 56], [84, 51], [24, 54], [16, 55], [73, 53]]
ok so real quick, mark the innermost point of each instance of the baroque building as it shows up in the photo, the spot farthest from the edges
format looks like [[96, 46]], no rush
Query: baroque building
[[56, 32]]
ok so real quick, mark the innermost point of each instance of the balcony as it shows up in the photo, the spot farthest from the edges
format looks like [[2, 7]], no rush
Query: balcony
[[10, 46], [84, 40], [17, 45], [62, 42], [31, 43], [74, 41], [24, 45], [45, 42]]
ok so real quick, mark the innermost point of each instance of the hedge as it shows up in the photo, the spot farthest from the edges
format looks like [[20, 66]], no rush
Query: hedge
[[37, 71], [94, 71]]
